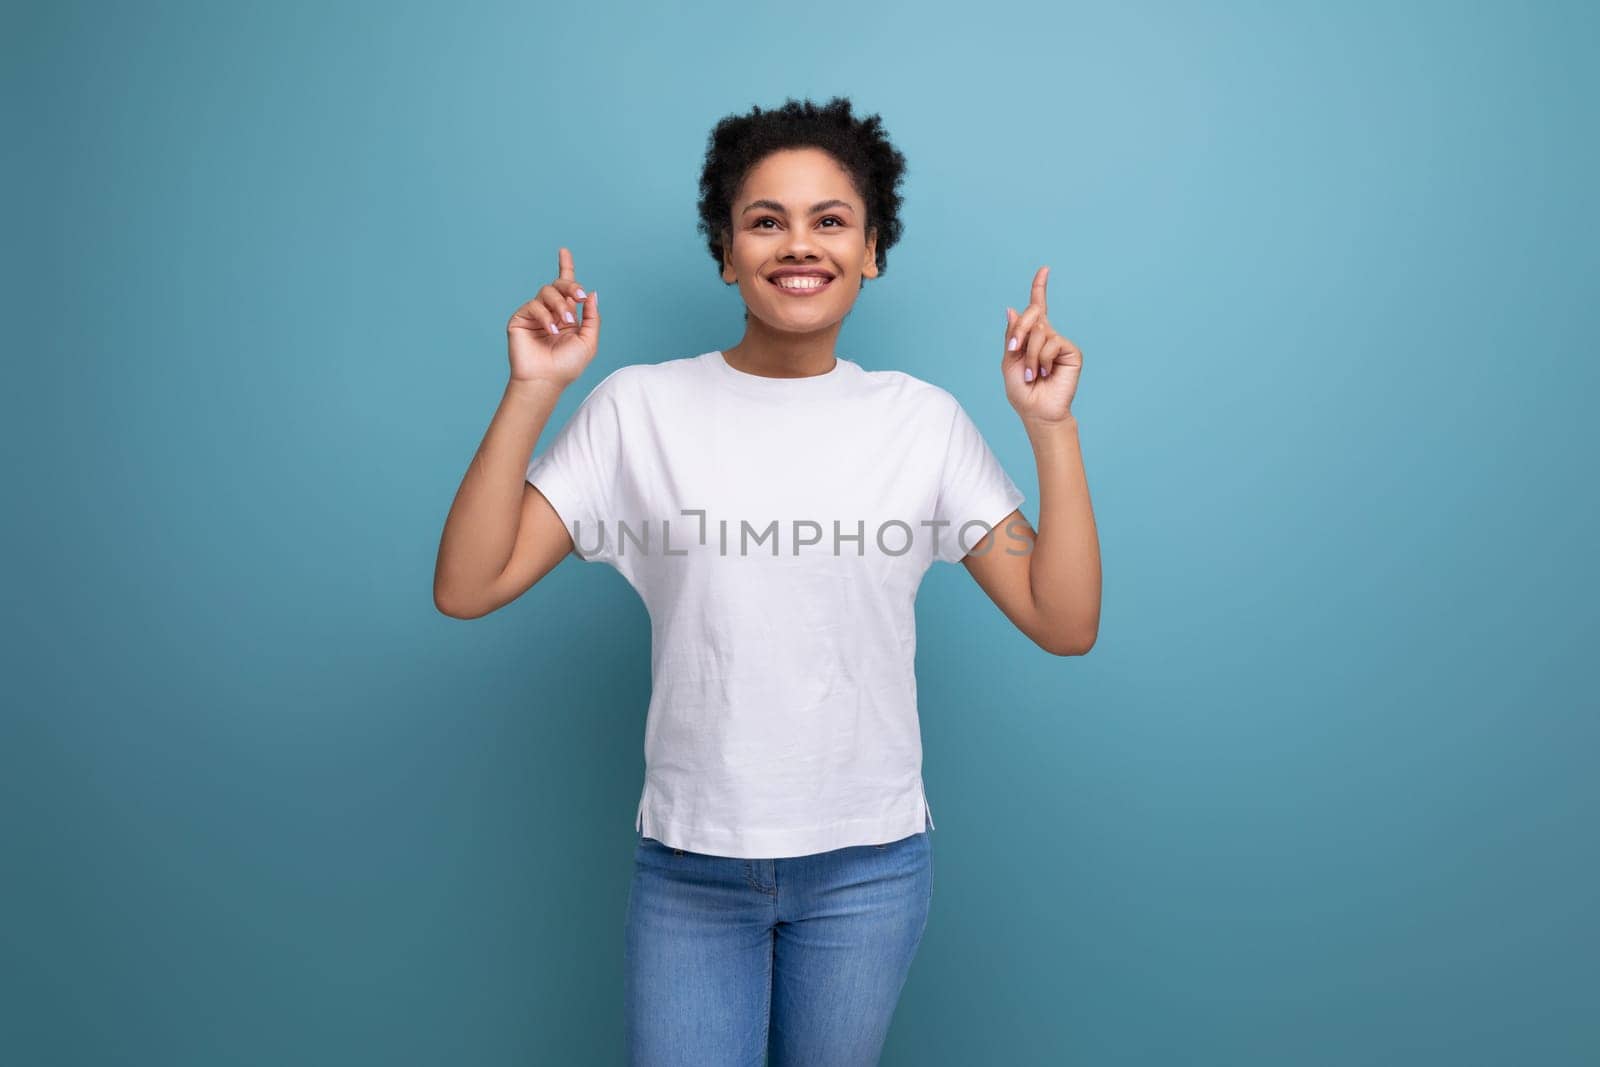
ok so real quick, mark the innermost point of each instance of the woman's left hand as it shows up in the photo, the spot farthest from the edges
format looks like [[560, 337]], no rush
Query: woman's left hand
[[1040, 366]]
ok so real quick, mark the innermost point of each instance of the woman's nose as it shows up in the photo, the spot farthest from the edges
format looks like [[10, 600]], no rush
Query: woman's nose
[[799, 246]]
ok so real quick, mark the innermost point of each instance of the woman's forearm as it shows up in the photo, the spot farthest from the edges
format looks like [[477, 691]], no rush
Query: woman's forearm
[[481, 529], [1064, 568]]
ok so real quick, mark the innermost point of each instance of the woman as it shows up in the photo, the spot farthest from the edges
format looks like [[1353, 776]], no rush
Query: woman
[[776, 507]]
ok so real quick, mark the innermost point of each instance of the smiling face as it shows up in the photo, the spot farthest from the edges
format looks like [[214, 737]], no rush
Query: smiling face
[[798, 220]]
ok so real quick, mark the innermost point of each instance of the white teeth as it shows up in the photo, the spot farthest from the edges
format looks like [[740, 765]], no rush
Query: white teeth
[[802, 282]]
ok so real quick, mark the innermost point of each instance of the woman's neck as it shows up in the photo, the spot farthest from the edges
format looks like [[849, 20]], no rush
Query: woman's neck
[[772, 354]]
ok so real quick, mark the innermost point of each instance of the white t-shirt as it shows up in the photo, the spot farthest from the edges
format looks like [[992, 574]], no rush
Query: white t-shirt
[[777, 530]]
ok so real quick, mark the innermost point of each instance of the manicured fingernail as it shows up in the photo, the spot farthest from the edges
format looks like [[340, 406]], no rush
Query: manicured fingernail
[[1044, 371], [554, 328], [1027, 374], [568, 316], [1012, 347], [582, 294]]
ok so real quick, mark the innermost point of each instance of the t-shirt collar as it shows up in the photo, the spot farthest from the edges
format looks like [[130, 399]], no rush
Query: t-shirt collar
[[813, 385]]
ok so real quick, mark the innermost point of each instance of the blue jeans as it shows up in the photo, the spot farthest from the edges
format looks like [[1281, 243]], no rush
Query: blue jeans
[[801, 959]]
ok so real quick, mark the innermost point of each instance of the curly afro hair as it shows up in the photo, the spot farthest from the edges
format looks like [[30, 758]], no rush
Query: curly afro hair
[[739, 142]]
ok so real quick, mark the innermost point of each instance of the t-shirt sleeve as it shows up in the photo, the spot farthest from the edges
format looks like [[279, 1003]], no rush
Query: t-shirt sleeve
[[974, 490], [578, 472]]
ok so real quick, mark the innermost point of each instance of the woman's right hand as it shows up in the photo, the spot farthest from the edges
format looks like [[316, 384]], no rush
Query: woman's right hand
[[545, 339]]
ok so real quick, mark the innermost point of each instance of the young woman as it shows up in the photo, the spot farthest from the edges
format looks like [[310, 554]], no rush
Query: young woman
[[776, 506]]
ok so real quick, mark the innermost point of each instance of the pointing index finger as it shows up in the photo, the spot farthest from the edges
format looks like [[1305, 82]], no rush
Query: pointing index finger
[[1040, 278], [564, 270]]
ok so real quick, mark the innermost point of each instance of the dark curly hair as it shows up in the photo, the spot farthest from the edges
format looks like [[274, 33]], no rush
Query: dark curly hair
[[739, 142]]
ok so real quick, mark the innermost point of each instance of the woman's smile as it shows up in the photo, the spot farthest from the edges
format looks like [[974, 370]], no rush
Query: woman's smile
[[801, 285]]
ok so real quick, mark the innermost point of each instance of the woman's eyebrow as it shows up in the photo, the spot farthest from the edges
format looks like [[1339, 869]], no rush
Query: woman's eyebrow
[[773, 205]]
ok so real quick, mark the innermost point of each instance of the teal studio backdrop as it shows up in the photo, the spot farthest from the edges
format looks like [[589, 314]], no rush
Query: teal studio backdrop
[[1322, 794]]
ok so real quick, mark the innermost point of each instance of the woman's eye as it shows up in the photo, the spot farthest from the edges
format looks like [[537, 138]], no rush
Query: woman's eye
[[828, 218]]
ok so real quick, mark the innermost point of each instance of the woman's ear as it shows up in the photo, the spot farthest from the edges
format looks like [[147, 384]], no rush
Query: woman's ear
[[728, 275], [869, 268]]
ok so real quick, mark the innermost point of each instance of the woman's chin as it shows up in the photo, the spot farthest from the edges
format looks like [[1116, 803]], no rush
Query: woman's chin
[[799, 325], [804, 319]]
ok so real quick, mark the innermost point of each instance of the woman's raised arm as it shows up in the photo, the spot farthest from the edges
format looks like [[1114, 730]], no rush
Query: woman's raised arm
[[501, 534]]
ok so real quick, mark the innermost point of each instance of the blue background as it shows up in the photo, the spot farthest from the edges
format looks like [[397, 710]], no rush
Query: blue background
[[1324, 791]]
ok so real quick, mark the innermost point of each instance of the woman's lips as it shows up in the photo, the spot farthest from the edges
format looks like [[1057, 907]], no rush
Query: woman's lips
[[812, 291]]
